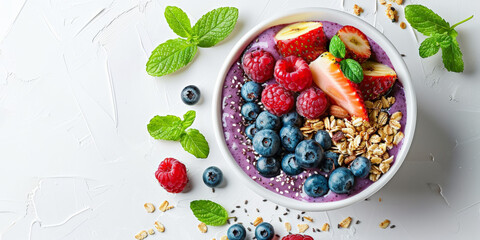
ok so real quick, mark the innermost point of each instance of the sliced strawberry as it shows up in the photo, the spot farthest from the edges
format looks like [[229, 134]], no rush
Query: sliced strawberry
[[356, 43], [304, 39], [377, 80], [328, 77]]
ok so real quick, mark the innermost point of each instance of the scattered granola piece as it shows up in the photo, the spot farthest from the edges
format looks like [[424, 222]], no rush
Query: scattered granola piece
[[399, 2], [302, 227], [325, 227], [357, 10], [345, 223], [141, 235], [308, 218], [163, 206], [202, 227], [159, 226], [288, 227], [224, 237], [257, 221], [379, 199], [149, 207], [385, 223], [383, 2], [151, 231], [403, 25], [391, 13]]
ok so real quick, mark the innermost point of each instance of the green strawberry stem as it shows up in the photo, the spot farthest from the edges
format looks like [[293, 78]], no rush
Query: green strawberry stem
[[461, 22]]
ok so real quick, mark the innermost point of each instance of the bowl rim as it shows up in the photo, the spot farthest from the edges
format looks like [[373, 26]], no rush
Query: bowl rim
[[317, 14]]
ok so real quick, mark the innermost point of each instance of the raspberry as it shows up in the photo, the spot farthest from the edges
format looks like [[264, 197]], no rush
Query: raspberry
[[172, 175], [258, 65], [277, 100], [297, 237], [312, 103], [293, 73]]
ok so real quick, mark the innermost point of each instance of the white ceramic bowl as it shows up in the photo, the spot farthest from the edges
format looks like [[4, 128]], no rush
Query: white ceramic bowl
[[317, 14]]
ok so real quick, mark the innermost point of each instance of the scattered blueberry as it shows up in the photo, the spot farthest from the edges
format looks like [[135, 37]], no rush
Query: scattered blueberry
[[290, 165], [251, 130], [266, 120], [324, 139], [250, 110], [290, 136], [190, 94], [292, 119], [264, 231], [212, 176], [251, 91], [266, 142], [341, 180], [316, 186], [236, 232], [268, 166], [360, 167], [309, 153]]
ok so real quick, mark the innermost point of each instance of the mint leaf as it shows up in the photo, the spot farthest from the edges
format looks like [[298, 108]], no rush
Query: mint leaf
[[170, 56], [215, 26], [165, 127], [352, 70], [178, 21], [425, 20], [188, 119], [429, 47], [452, 57], [195, 143], [209, 212], [337, 47]]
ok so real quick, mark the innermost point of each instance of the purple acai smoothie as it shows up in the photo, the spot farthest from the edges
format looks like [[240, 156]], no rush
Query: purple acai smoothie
[[241, 147]]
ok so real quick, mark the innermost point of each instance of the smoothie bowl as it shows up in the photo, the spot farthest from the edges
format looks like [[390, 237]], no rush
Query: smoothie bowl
[[314, 110]]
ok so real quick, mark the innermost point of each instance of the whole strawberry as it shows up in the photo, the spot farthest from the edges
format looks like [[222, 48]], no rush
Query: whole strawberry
[[258, 65], [172, 175], [297, 237], [277, 100], [312, 103], [293, 73]]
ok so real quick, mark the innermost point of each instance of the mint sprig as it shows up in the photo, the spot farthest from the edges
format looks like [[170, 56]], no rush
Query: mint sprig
[[441, 35], [350, 68], [337, 47], [172, 128], [209, 212], [175, 54]]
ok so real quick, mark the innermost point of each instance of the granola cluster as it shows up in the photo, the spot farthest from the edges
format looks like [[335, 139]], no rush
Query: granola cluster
[[357, 137]]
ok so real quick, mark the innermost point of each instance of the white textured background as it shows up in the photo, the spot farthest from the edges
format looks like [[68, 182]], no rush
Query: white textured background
[[78, 163]]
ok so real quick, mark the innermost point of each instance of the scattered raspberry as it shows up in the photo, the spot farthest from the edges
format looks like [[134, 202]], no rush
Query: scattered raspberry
[[297, 237], [277, 100], [293, 73], [258, 65], [312, 103], [172, 175]]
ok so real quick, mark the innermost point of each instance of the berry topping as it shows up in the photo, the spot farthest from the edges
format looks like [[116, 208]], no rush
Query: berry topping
[[312, 103], [360, 167], [378, 79], [251, 130], [356, 43], [297, 237], [251, 91], [258, 65], [266, 120], [290, 165], [328, 77], [250, 110], [292, 119], [266, 142], [304, 39], [268, 166], [309, 153], [341, 180], [315, 186], [212, 176], [323, 137], [190, 95], [293, 73], [172, 175], [290, 137], [277, 99]]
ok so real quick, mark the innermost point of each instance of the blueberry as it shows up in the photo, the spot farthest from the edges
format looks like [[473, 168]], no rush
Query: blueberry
[[324, 139], [309, 154], [292, 119], [190, 94], [251, 91], [290, 165], [333, 156], [266, 120], [250, 110], [360, 167], [212, 176], [290, 137], [268, 166], [316, 186], [236, 232], [341, 180], [264, 231], [266, 142], [329, 162], [251, 130]]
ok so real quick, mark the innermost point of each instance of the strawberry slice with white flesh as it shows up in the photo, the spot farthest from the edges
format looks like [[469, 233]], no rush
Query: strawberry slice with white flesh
[[328, 76], [378, 79], [356, 43]]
